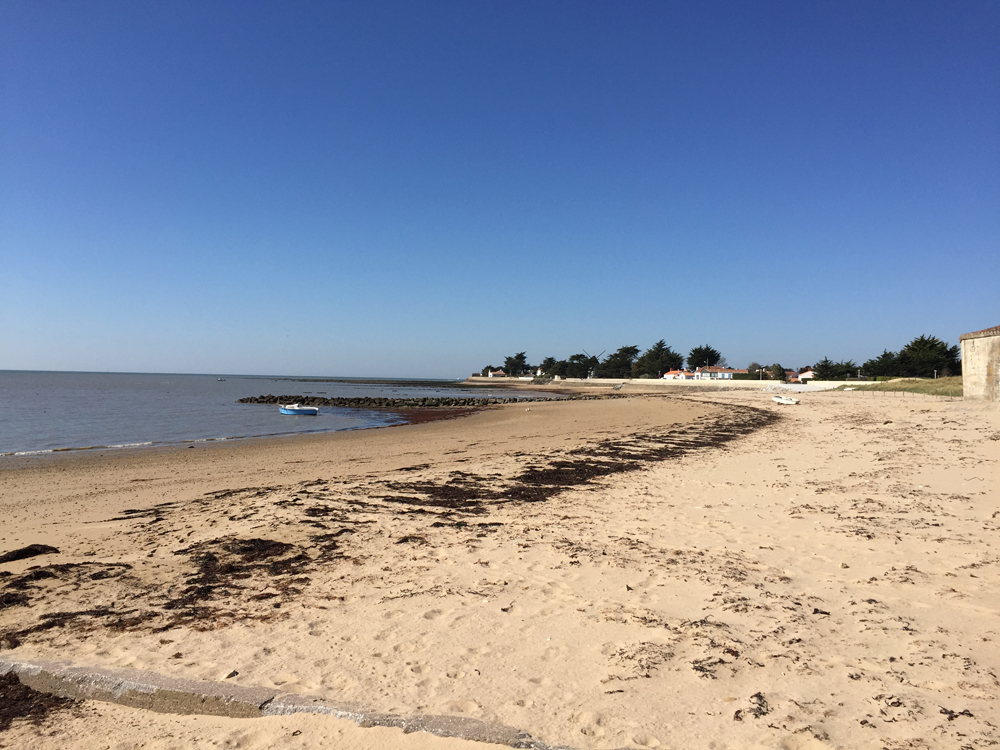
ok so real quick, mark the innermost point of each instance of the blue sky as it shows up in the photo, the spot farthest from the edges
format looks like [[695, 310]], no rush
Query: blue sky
[[418, 189]]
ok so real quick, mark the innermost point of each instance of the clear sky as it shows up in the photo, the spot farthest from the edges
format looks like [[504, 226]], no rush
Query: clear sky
[[420, 188]]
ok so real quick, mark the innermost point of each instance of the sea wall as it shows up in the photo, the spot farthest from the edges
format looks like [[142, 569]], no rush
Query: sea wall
[[981, 365], [644, 382]]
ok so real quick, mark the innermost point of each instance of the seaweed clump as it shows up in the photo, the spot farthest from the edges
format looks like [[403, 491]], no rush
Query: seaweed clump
[[18, 701]]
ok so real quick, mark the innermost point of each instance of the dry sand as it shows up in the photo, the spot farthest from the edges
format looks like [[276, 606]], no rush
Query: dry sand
[[824, 575]]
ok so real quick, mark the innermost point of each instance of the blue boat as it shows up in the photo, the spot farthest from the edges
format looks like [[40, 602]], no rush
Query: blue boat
[[298, 410]]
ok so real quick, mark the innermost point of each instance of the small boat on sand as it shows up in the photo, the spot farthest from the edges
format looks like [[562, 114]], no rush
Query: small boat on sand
[[784, 400], [298, 409]]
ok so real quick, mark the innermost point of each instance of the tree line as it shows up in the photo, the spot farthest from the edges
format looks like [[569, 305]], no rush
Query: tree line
[[924, 357], [626, 362]]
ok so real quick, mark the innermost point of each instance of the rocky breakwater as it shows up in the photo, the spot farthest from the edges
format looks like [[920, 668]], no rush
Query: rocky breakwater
[[368, 402]]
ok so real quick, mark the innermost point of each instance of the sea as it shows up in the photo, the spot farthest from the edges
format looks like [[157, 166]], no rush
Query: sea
[[47, 412]]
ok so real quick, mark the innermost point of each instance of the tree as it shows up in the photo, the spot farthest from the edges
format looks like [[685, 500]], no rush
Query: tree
[[656, 360], [580, 366], [927, 354], [885, 364], [515, 365], [703, 356], [826, 369], [485, 372], [776, 371], [619, 364], [547, 365], [846, 369], [754, 367], [559, 369]]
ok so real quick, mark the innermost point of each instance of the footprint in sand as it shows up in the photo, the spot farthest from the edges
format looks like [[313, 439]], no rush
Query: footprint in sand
[[646, 740], [432, 614], [592, 724], [463, 707]]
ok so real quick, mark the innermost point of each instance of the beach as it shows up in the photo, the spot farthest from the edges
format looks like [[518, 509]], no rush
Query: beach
[[682, 570]]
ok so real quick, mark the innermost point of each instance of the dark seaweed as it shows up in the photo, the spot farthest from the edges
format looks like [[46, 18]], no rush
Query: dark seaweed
[[31, 550], [18, 701]]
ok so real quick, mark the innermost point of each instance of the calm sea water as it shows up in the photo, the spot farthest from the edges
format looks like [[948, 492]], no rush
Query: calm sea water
[[51, 411]]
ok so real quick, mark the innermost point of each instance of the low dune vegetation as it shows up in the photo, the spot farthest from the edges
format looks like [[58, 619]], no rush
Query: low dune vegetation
[[951, 386]]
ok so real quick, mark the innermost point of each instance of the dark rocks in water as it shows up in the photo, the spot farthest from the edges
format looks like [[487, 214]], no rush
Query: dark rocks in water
[[30, 551], [370, 402]]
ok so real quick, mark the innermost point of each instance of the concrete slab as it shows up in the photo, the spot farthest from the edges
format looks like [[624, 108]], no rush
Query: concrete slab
[[156, 692], [140, 689]]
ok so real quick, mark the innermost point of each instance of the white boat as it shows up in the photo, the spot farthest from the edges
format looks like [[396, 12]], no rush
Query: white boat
[[784, 400], [298, 409]]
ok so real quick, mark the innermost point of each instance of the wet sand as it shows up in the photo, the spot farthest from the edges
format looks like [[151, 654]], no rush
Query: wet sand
[[709, 570]]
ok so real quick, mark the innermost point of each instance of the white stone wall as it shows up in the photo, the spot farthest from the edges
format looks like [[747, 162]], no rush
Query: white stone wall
[[981, 366]]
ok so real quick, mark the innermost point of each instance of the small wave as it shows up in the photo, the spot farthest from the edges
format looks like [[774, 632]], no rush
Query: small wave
[[383, 420], [78, 448]]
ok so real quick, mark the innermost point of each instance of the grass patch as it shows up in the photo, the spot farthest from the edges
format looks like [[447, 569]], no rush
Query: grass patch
[[933, 387]]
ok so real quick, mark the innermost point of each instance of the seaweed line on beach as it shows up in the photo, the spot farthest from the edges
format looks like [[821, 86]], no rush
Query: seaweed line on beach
[[232, 578]]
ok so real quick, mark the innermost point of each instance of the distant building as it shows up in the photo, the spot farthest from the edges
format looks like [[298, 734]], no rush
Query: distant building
[[807, 374], [981, 364], [715, 373], [497, 374], [678, 375]]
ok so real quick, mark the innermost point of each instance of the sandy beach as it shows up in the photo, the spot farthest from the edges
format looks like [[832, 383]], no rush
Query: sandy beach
[[693, 570]]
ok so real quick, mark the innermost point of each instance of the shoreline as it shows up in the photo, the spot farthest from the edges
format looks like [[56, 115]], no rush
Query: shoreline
[[409, 416], [97, 411], [599, 573]]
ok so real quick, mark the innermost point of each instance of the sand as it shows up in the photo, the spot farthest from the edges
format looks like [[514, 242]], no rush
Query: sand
[[823, 575]]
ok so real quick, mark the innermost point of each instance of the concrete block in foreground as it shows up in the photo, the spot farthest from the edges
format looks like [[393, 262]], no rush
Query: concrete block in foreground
[[156, 692], [139, 689], [443, 726]]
